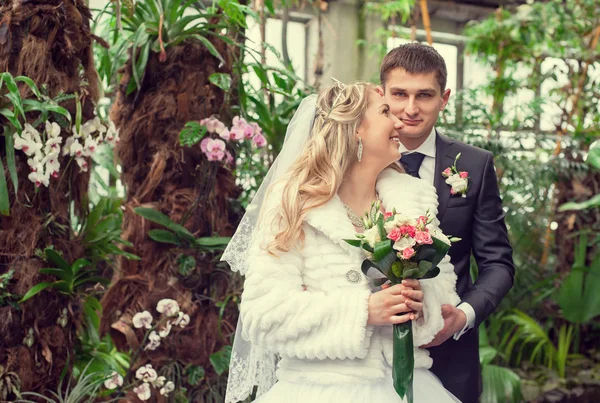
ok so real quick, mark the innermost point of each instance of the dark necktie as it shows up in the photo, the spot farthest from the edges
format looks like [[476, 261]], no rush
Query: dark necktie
[[411, 163]]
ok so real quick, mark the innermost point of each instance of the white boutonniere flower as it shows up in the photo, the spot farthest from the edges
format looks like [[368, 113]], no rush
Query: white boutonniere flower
[[458, 180]]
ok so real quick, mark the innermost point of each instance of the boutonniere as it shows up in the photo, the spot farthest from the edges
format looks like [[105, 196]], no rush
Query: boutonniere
[[458, 180]]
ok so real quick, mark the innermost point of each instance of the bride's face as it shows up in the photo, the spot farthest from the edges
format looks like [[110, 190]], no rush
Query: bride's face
[[378, 131]]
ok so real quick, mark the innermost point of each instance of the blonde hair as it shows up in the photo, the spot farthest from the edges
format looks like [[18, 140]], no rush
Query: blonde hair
[[315, 177]]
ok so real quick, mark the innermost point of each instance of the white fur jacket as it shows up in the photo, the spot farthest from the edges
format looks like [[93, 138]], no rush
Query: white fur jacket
[[310, 306]]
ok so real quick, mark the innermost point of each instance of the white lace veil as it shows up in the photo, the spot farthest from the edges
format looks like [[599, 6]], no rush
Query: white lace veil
[[252, 365]]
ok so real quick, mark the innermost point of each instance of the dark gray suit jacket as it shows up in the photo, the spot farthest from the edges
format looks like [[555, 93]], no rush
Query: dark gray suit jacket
[[479, 220]]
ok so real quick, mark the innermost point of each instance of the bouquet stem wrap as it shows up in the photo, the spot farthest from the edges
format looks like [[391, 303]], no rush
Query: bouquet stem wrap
[[404, 360]]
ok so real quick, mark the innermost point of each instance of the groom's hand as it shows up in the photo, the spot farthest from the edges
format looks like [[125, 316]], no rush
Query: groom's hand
[[454, 320]]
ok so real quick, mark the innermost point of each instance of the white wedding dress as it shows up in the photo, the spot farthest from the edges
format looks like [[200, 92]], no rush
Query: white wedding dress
[[309, 307]]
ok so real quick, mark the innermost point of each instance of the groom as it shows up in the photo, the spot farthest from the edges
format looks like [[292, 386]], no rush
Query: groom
[[413, 79]]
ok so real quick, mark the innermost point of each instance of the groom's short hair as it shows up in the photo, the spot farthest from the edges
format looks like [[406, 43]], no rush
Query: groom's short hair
[[415, 58]]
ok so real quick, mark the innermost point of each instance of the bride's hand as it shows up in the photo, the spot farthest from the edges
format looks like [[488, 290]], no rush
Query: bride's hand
[[384, 305]]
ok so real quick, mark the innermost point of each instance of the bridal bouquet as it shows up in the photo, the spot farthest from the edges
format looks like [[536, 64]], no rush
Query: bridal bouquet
[[401, 247]]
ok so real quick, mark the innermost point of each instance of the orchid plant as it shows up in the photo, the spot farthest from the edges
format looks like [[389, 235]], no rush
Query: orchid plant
[[146, 377], [212, 135], [44, 149]]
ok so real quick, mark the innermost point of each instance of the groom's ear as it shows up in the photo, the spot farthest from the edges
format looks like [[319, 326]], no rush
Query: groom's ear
[[379, 90], [445, 98]]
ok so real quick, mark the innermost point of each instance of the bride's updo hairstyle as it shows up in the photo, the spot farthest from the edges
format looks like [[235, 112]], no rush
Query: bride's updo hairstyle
[[315, 177]]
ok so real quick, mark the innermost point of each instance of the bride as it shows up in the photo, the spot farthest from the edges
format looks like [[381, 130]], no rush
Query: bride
[[311, 327]]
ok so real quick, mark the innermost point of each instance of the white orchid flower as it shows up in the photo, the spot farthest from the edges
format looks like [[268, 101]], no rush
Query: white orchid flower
[[92, 126], [159, 382], [168, 306], [169, 387], [182, 320], [164, 330], [142, 319], [146, 373], [28, 145], [114, 381], [76, 149], [33, 163], [83, 165], [39, 177], [112, 134], [53, 145], [154, 341], [68, 143], [143, 391], [89, 146], [35, 135], [53, 129], [53, 167]]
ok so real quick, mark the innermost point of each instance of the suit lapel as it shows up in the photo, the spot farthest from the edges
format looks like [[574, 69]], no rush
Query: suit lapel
[[444, 158]]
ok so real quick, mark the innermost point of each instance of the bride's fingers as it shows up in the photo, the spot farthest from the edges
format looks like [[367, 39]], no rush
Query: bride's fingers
[[396, 319], [414, 305], [415, 295], [401, 308], [412, 283], [396, 289]]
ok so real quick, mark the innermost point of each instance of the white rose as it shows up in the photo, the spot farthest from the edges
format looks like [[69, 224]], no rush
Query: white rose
[[399, 219], [404, 243], [459, 185], [437, 233], [372, 236]]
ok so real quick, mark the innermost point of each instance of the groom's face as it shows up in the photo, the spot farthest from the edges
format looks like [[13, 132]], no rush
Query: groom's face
[[415, 99]]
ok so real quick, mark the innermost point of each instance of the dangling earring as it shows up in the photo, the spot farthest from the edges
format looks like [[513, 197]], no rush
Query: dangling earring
[[360, 150]]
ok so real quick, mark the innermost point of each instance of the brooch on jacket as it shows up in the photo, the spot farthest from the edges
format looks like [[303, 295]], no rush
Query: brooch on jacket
[[458, 180]]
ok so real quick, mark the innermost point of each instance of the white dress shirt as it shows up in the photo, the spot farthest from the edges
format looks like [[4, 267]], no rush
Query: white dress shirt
[[426, 172]]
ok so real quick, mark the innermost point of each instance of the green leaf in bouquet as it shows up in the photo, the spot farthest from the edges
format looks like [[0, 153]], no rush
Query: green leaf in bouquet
[[423, 267], [382, 249], [367, 264], [397, 269], [431, 273], [354, 242], [380, 222], [411, 270]]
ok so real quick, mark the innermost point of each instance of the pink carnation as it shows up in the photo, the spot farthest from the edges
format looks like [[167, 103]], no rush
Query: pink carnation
[[423, 237], [422, 221], [407, 253], [259, 140], [395, 234], [452, 191], [388, 215], [447, 172], [408, 230], [464, 174]]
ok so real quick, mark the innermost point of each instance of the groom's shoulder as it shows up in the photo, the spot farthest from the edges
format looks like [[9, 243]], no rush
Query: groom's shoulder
[[468, 151]]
